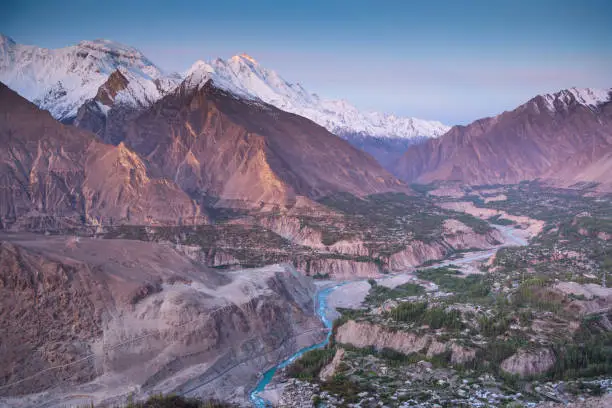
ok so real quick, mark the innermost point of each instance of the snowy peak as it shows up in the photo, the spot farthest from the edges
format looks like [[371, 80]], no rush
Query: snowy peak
[[112, 47], [197, 66], [589, 97], [61, 80], [7, 51], [201, 72], [245, 57], [245, 77]]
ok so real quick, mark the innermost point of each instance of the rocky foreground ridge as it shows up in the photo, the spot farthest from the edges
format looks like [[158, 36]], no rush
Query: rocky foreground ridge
[[96, 320]]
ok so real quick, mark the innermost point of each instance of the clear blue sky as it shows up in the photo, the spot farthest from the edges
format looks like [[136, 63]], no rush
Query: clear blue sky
[[454, 61]]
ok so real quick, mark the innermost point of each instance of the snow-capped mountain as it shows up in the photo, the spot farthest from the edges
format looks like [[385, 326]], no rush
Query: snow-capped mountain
[[244, 76], [122, 97], [589, 97], [62, 80], [74, 84]]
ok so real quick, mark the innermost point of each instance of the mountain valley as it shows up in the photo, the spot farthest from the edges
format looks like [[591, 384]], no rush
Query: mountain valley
[[225, 238]]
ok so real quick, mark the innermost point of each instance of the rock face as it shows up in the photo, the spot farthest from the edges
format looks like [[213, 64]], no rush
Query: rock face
[[212, 142], [363, 334], [55, 176], [345, 259], [115, 83], [334, 258], [291, 228], [350, 258], [339, 269], [118, 315], [51, 313], [526, 363], [120, 99], [565, 137], [456, 236]]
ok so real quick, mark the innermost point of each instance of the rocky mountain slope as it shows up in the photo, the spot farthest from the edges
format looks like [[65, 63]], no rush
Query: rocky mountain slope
[[92, 320], [55, 176], [214, 143], [62, 80], [565, 137]]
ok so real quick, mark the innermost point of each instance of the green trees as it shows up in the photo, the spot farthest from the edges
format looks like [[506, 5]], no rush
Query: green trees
[[494, 326], [420, 314], [472, 287], [310, 364], [176, 401], [535, 292], [588, 355], [378, 293], [496, 219], [607, 269]]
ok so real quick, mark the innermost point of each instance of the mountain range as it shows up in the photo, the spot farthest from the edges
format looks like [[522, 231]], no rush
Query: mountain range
[[64, 80], [234, 133], [564, 138], [147, 147]]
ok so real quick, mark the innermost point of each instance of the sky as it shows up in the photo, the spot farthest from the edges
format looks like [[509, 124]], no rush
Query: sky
[[453, 61]]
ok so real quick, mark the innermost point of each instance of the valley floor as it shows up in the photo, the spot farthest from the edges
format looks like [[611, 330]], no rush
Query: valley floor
[[489, 296]]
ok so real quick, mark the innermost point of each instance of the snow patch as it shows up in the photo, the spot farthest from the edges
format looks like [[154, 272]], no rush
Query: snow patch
[[589, 97]]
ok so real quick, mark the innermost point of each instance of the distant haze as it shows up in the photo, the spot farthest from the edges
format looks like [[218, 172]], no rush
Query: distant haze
[[444, 60]]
